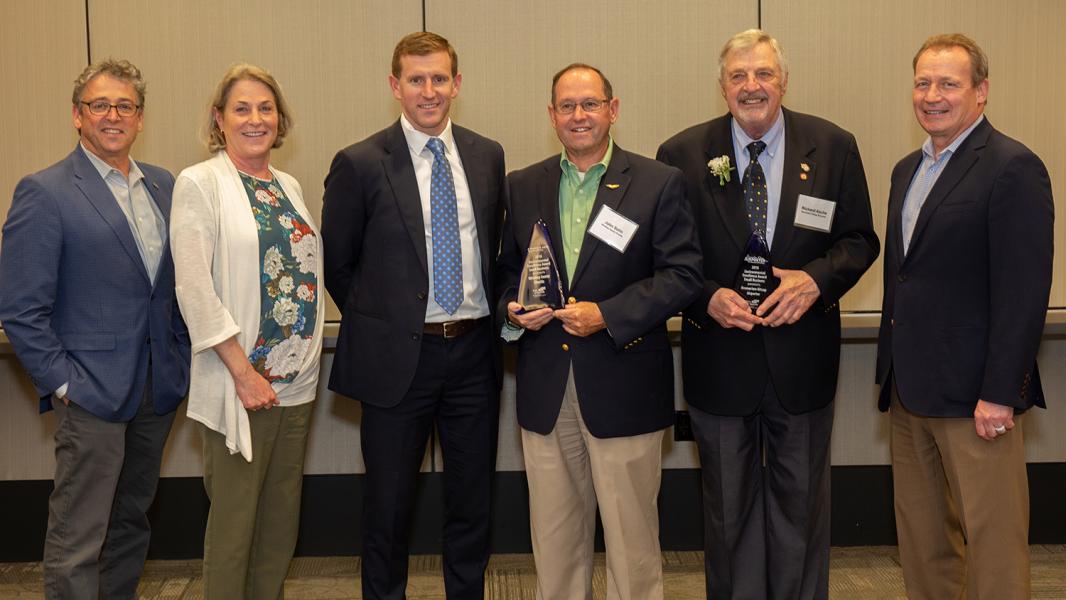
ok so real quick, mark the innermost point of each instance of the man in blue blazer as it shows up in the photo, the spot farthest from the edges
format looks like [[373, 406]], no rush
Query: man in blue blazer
[[410, 225], [87, 301], [968, 257], [595, 378]]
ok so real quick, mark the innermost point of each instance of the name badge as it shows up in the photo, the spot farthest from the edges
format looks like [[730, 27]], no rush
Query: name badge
[[613, 228], [814, 213]]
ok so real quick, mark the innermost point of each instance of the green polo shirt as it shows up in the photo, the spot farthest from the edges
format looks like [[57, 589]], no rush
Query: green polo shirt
[[576, 197]]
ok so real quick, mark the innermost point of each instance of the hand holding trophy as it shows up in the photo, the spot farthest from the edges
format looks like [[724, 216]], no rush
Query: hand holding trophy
[[540, 285]]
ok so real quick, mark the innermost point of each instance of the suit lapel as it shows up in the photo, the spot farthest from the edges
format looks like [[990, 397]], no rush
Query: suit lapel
[[967, 155], [401, 174], [474, 167], [612, 189], [729, 198], [548, 195], [87, 179], [894, 230], [162, 201], [795, 180]]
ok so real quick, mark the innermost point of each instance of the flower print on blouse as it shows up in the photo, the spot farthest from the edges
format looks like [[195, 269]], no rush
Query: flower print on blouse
[[289, 257]]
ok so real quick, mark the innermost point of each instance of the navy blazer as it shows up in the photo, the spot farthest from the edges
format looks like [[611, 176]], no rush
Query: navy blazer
[[725, 371], [624, 374], [76, 301], [375, 256], [964, 310]]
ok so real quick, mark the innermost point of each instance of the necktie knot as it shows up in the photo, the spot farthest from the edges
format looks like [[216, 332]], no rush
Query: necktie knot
[[436, 146], [755, 149]]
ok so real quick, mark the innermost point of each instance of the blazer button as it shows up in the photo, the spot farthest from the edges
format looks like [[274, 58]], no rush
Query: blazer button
[[901, 278], [566, 347], [571, 300], [892, 322], [421, 295], [414, 336]]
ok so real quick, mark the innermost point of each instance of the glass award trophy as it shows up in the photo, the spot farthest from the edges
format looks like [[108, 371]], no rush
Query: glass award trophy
[[755, 278], [540, 285]]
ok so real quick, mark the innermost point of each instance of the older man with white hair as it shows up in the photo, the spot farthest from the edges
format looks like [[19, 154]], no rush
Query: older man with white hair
[[783, 215]]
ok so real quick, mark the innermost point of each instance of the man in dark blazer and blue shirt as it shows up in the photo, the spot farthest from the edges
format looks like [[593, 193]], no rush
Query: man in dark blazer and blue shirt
[[595, 378], [87, 301], [762, 384], [968, 257], [410, 225]]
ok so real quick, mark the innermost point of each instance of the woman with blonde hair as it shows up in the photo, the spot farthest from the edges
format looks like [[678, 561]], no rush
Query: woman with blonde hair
[[247, 261]]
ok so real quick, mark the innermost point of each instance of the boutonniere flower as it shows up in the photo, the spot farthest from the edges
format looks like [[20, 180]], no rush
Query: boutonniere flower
[[720, 166]]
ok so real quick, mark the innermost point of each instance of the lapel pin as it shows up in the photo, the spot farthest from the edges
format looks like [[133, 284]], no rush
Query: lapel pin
[[612, 186], [805, 167]]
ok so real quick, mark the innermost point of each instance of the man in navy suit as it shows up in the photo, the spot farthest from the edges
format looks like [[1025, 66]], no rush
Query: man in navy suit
[[968, 257], [87, 301], [595, 379], [410, 225], [760, 384]]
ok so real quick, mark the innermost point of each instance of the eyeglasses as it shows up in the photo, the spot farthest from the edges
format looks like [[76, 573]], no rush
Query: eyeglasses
[[102, 107], [589, 105]]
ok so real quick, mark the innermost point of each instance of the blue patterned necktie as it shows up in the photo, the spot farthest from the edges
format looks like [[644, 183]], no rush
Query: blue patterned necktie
[[444, 224], [755, 188]]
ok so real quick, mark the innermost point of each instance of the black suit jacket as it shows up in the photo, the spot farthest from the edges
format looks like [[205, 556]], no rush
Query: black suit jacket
[[964, 310], [725, 371], [624, 375], [375, 255]]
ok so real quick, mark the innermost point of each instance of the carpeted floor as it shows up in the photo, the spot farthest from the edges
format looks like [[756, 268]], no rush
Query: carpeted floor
[[855, 574]]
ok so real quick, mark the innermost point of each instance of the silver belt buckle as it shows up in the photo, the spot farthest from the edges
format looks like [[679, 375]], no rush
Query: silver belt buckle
[[447, 326]]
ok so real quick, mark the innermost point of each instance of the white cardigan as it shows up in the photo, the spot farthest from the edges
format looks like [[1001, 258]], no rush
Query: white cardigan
[[215, 243]]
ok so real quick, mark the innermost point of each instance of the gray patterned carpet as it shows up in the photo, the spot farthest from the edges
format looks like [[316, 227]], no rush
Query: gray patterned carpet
[[855, 574]]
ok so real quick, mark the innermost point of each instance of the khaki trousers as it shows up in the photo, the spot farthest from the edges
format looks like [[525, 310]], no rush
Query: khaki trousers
[[962, 508], [569, 470], [255, 507]]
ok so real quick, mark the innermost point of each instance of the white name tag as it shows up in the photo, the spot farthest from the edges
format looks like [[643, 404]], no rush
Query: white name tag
[[612, 228], [815, 213]]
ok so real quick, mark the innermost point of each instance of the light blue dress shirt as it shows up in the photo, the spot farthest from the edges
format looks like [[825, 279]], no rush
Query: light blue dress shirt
[[145, 219], [925, 178]]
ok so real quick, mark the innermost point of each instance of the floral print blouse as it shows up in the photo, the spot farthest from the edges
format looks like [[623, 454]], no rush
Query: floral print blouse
[[288, 254]]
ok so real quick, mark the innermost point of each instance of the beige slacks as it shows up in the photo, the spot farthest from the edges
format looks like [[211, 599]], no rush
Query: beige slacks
[[569, 471], [962, 508]]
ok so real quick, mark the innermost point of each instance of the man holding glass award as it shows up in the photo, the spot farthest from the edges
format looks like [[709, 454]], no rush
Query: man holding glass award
[[599, 250], [783, 214]]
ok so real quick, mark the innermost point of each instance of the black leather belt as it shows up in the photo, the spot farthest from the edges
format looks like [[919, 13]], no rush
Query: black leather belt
[[452, 329]]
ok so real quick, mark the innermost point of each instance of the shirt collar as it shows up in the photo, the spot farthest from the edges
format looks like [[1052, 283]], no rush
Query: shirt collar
[[570, 169], [105, 169], [772, 138], [417, 140], [930, 152]]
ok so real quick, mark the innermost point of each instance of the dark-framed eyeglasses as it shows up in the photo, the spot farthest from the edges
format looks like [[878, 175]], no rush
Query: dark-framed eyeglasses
[[589, 105], [102, 107]]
